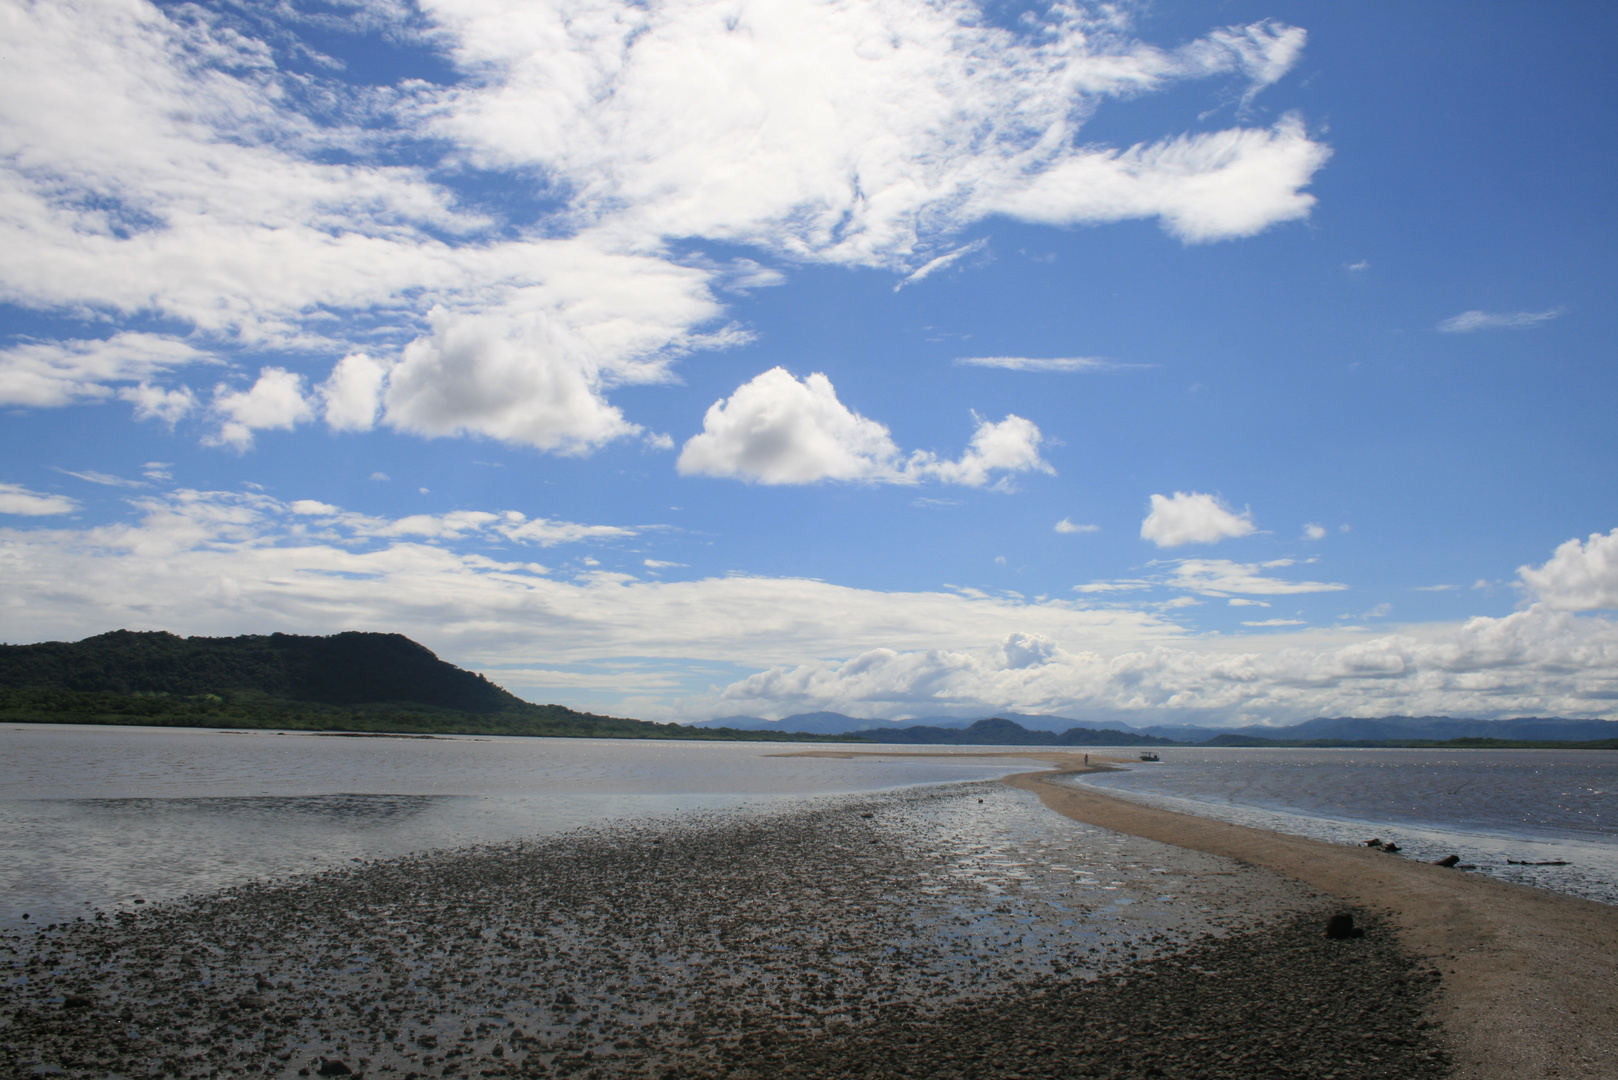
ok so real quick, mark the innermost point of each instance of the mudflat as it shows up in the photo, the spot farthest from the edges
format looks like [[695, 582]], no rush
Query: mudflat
[[1529, 977], [958, 931]]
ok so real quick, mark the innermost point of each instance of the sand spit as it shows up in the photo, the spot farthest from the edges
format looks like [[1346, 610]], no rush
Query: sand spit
[[942, 931], [1530, 977]]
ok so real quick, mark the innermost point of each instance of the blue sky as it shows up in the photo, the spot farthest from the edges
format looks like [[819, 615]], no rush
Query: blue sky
[[1173, 362]]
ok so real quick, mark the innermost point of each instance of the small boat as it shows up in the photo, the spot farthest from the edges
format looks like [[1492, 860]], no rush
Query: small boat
[[1148, 756]]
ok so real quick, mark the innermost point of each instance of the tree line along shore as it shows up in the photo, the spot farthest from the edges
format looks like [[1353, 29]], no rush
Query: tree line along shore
[[372, 683]]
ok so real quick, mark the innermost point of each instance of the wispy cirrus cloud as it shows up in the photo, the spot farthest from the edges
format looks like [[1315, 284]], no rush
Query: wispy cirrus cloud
[[1221, 577], [1049, 363], [104, 479], [1218, 578], [1468, 321]]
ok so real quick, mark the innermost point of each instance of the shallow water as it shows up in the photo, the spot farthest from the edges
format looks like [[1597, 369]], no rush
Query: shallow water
[[1496, 809], [627, 946], [107, 817], [104, 817]]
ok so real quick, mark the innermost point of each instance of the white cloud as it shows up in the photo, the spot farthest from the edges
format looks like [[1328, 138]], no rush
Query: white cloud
[[660, 564], [161, 162], [742, 275], [932, 266], [1010, 446], [776, 429], [438, 526], [1066, 526], [1275, 622], [510, 525], [1113, 586], [848, 133], [53, 373], [1467, 321], [548, 533], [16, 499], [157, 403], [212, 562], [1052, 363], [275, 402], [520, 380], [216, 563], [1312, 531], [104, 479], [1213, 186], [1534, 662], [1192, 519], [352, 394], [1218, 577], [1581, 576]]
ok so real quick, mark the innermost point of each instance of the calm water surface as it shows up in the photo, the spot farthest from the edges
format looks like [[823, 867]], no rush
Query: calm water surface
[[1497, 809], [103, 817]]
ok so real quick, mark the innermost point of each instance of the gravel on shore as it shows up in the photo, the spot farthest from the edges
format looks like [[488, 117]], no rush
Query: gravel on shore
[[943, 931]]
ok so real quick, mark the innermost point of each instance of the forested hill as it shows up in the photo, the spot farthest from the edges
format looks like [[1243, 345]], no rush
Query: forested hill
[[351, 682], [343, 669]]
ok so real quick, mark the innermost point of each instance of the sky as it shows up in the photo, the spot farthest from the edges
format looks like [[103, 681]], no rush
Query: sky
[[1175, 362]]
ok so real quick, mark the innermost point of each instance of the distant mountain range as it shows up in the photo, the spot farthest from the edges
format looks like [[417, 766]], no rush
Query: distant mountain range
[[387, 683], [998, 731], [1076, 732]]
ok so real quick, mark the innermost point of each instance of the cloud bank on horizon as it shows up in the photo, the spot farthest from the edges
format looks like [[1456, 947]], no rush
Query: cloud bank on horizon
[[664, 315]]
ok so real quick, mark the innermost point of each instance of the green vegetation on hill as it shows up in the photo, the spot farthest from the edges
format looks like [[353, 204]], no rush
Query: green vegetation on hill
[[343, 669], [345, 682]]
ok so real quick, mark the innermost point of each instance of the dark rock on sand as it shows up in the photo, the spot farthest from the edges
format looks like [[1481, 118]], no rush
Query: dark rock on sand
[[1447, 860], [1342, 926]]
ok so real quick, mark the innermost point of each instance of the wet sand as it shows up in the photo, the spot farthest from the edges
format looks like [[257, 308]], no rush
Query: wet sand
[[1530, 977], [934, 932]]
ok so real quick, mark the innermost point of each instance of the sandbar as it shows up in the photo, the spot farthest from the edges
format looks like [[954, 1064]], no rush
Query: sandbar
[[1530, 977]]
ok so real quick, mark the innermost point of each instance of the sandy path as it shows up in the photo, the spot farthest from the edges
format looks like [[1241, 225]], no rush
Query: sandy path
[[1530, 977]]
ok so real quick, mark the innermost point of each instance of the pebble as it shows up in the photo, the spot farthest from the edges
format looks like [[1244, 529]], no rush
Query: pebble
[[947, 931]]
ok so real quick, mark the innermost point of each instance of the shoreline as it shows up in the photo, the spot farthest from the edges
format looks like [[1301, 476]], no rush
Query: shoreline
[[1531, 976], [929, 932], [899, 933]]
